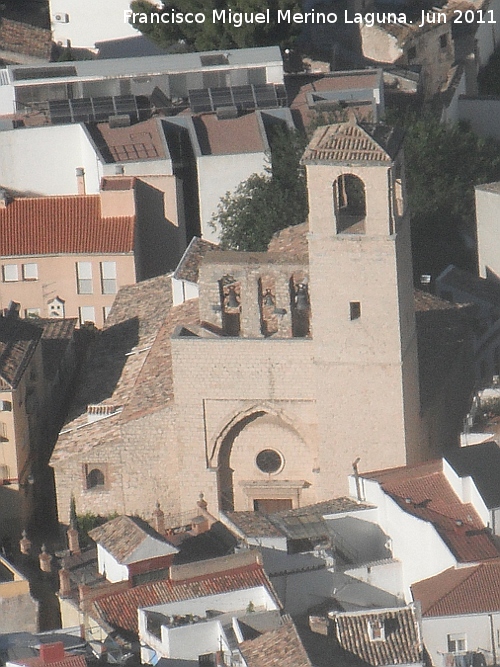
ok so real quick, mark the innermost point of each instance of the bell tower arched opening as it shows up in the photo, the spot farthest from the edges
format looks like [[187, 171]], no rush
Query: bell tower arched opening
[[349, 204]]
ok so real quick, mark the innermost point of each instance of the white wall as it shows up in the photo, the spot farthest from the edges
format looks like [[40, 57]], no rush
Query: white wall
[[476, 627], [415, 543], [90, 21], [218, 174], [7, 98], [488, 228], [482, 114], [109, 567], [488, 34], [43, 160], [386, 575]]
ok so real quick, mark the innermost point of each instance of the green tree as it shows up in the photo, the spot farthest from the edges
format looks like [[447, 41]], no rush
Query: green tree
[[266, 203], [443, 163], [212, 35]]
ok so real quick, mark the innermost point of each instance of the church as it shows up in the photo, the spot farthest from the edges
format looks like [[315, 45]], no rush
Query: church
[[286, 370]]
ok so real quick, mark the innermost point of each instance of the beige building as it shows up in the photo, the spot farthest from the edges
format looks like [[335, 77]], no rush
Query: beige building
[[289, 367]]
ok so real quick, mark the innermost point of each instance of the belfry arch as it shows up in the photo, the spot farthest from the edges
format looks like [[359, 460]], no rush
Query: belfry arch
[[349, 204]]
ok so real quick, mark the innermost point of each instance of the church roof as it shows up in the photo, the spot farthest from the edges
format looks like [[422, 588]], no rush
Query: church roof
[[353, 142]]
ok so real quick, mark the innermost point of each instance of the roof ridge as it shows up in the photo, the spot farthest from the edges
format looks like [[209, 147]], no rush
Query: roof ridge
[[473, 566]]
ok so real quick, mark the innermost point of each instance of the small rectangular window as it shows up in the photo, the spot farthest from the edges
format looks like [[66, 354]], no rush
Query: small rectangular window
[[355, 310], [6, 406], [30, 271], [457, 643], [108, 277], [10, 273], [84, 277], [87, 314]]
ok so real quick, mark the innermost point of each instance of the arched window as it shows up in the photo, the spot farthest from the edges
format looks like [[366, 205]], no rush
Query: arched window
[[95, 478], [349, 204]]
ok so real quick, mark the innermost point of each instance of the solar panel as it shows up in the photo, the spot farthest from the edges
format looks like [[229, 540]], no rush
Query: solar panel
[[265, 96], [125, 104], [60, 111], [244, 98], [103, 108], [85, 109], [30, 73], [82, 109], [200, 101], [221, 97]]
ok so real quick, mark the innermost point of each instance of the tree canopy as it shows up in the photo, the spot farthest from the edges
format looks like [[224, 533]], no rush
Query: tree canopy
[[212, 35], [443, 163], [266, 203]]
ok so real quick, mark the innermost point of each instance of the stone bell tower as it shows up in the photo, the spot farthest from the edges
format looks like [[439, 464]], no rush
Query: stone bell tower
[[362, 303]]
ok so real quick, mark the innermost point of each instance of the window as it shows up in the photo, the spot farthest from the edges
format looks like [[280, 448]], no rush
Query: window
[[3, 432], [355, 310], [84, 277], [95, 477], [30, 271], [457, 643], [32, 312], [443, 41], [376, 630], [269, 461], [10, 273], [108, 277], [87, 314], [6, 406]]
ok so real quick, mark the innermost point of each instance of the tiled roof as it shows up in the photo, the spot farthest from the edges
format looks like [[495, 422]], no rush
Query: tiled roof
[[353, 142], [129, 539], [18, 341], [291, 240], [462, 590], [276, 648], [120, 609], [188, 267], [57, 335], [218, 136], [67, 661], [140, 141], [130, 366], [60, 225], [254, 524], [401, 643], [423, 491]]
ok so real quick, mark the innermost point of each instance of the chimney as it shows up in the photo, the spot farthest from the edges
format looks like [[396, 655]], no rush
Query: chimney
[[50, 653], [45, 560], [64, 582], [73, 541], [117, 196], [159, 520], [80, 180], [25, 544]]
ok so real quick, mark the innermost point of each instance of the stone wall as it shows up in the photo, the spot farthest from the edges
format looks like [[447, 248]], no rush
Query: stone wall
[[25, 39]]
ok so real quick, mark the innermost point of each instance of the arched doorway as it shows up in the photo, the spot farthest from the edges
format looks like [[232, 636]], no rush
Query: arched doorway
[[349, 204]]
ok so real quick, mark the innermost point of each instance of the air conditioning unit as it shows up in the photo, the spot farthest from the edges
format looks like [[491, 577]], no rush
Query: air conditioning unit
[[60, 17]]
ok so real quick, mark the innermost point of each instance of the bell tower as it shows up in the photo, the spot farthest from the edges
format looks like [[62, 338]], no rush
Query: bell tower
[[361, 292]]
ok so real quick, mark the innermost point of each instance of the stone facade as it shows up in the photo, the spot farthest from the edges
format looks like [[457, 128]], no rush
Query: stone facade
[[289, 366]]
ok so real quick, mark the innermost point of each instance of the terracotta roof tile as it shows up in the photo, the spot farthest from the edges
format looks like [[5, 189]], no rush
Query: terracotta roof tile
[[67, 661], [291, 240], [120, 609], [276, 648], [18, 341], [121, 537], [188, 267], [462, 590], [401, 642], [424, 492], [353, 142], [69, 224]]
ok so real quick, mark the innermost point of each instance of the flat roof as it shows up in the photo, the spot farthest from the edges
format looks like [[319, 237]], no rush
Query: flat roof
[[142, 66]]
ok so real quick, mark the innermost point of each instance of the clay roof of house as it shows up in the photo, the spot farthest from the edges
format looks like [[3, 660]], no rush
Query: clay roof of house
[[129, 540], [62, 225], [353, 142], [291, 240], [120, 609], [474, 589], [254, 524], [128, 368], [424, 491], [402, 643], [68, 661], [18, 341], [188, 267], [226, 136], [276, 648], [140, 141]]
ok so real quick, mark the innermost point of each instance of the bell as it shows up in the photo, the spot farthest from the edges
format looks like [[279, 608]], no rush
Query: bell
[[232, 299], [301, 298], [268, 299]]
